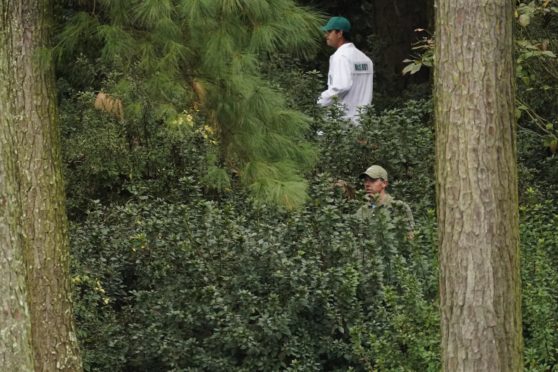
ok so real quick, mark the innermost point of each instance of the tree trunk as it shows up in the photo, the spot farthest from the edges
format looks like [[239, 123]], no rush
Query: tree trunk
[[15, 323], [31, 111], [477, 186]]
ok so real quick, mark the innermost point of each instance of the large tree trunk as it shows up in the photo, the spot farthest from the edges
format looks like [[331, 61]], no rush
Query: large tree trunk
[[477, 186], [15, 323], [31, 111]]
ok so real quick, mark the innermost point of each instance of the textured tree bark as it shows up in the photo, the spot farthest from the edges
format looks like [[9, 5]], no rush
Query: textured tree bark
[[477, 186], [28, 83], [15, 322]]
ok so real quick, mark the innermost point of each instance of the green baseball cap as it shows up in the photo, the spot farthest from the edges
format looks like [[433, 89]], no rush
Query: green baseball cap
[[337, 23], [375, 172]]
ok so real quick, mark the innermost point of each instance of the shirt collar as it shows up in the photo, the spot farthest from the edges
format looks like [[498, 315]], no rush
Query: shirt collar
[[346, 45], [386, 200]]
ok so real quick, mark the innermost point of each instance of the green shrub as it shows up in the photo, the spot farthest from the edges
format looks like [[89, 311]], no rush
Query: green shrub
[[110, 160], [205, 286], [175, 270], [539, 241], [400, 139]]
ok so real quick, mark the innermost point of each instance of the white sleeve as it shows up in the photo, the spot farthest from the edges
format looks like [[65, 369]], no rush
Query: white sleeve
[[340, 80]]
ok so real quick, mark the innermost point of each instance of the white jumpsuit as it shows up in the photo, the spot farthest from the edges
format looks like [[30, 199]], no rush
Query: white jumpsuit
[[350, 79]]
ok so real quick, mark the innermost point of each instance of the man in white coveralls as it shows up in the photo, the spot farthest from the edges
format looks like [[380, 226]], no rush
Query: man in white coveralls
[[350, 71]]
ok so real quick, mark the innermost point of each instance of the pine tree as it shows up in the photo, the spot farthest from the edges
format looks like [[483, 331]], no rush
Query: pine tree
[[206, 55]]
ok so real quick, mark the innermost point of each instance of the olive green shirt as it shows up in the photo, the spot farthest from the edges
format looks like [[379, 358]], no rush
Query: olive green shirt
[[389, 206]]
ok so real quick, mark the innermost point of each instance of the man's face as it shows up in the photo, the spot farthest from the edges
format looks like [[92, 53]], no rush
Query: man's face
[[334, 38], [374, 186]]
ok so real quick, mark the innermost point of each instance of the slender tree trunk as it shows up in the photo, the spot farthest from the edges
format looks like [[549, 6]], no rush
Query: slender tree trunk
[[30, 95], [15, 322], [477, 186]]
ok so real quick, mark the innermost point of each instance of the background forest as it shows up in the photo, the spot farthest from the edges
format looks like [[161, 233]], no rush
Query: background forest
[[209, 227]]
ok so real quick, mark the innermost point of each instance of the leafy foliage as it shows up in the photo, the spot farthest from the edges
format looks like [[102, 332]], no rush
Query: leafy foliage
[[164, 58], [170, 275], [175, 268], [109, 161], [423, 53], [208, 286], [400, 139], [537, 82], [540, 280], [203, 280], [212, 281]]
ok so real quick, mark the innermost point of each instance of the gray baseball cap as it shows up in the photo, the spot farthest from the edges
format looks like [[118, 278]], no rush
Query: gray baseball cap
[[375, 172]]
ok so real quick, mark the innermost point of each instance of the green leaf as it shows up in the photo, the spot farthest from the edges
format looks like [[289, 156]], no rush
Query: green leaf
[[524, 20], [412, 68]]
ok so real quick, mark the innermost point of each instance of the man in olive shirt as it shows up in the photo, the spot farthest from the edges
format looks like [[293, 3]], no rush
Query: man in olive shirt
[[379, 201]]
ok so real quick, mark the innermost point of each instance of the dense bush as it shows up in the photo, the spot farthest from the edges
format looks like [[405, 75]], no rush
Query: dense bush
[[172, 274], [399, 139], [110, 160], [539, 236], [233, 286], [174, 271]]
